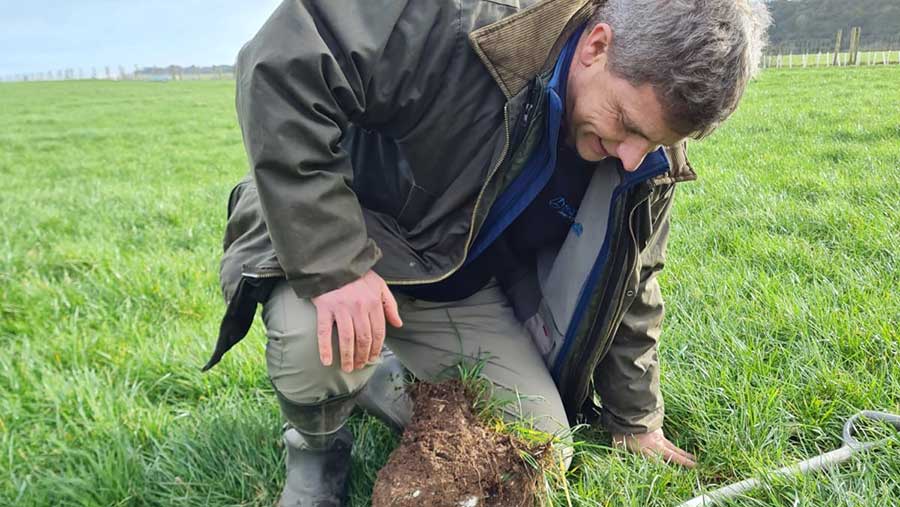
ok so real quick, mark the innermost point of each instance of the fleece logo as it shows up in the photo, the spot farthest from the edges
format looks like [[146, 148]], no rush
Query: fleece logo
[[567, 211]]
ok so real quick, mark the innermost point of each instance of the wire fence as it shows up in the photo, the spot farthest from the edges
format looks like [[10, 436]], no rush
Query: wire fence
[[824, 42], [828, 59], [842, 49]]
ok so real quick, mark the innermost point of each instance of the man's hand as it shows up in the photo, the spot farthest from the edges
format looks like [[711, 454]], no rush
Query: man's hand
[[654, 444], [359, 309]]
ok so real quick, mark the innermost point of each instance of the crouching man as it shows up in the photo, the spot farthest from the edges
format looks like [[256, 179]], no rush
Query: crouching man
[[468, 180]]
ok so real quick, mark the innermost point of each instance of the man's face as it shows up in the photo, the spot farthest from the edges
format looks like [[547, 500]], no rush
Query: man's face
[[605, 114]]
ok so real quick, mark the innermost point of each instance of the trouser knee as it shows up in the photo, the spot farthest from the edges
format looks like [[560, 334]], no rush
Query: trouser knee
[[292, 354]]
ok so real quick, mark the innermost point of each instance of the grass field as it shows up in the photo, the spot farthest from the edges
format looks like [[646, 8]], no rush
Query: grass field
[[782, 290]]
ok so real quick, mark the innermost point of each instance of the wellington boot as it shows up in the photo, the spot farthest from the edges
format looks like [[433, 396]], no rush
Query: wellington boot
[[385, 395], [317, 475]]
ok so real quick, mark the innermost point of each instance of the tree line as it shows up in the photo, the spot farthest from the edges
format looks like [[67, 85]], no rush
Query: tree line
[[810, 24]]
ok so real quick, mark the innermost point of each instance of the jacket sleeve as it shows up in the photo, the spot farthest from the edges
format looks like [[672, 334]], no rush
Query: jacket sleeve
[[315, 68], [627, 379]]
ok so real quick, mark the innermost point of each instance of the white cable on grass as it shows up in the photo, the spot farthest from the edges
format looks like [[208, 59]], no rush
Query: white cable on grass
[[829, 459]]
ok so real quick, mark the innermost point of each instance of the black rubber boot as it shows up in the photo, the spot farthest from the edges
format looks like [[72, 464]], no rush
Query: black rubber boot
[[385, 396], [316, 476], [318, 452]]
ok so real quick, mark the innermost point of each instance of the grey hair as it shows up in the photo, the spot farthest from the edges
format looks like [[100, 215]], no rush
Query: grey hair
[[698, 55]]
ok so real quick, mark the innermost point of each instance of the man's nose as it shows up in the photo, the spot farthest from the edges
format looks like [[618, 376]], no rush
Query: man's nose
[[632, 151]]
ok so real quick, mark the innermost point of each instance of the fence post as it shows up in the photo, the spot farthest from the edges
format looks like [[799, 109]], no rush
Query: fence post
[[791, 60], [837, 46], [856, 47]]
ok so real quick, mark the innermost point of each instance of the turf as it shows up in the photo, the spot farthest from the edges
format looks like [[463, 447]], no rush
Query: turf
[[782, 289]]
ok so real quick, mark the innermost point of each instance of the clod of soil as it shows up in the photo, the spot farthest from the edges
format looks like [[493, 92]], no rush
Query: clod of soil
[[447, 458]]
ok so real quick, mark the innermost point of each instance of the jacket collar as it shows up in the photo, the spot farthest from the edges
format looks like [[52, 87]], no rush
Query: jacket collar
[[521, 46], [679, 166]]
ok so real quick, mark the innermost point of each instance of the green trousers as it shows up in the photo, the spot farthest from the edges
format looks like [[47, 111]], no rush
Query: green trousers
[[434, 339]]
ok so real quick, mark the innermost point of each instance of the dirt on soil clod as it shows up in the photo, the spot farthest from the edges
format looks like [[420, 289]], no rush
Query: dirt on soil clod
[[447, 457]]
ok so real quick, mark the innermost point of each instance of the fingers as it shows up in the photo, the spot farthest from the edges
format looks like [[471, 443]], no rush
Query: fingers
[[324, 326], [667, 452], [360, 310], [390, 307], [345, 340], [672, 447], [387, 312], [655, 445], [363, 340], [670, 456], [376, 318]]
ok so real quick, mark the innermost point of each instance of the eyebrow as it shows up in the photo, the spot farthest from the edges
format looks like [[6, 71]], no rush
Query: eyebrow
[[631, 126]]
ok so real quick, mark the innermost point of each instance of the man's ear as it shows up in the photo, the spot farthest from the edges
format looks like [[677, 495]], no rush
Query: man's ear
[[595, 44]]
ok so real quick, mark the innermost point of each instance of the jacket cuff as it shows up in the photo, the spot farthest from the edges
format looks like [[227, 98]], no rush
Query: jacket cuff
[[309, 286], [616, 423]]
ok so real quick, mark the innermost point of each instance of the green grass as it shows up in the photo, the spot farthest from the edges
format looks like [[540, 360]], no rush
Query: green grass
[[782, 290]]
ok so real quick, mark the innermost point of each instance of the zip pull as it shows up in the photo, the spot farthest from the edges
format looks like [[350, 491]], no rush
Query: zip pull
[[528, 107], [522, 124], [534, 88]]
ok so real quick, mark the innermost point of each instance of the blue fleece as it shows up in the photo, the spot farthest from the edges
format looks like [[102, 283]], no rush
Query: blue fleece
[[540, 164]]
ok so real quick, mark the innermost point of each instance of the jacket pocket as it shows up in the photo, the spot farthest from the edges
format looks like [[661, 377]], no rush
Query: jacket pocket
[[247, 246], [418, 202], [545, 333]]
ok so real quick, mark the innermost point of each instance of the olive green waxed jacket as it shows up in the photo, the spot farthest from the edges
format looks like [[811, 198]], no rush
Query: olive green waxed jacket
[[379, 133]]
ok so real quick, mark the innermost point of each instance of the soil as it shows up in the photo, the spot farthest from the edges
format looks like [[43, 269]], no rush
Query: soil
[[447, 457]]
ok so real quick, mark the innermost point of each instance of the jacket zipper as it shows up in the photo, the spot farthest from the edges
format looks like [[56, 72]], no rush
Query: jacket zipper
[[265, 273], [526, 185]]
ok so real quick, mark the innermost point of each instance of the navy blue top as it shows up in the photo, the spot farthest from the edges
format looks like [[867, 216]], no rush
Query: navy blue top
[[546, 221]]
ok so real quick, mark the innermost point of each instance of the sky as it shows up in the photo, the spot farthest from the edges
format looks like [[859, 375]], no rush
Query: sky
[[50, 35]]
